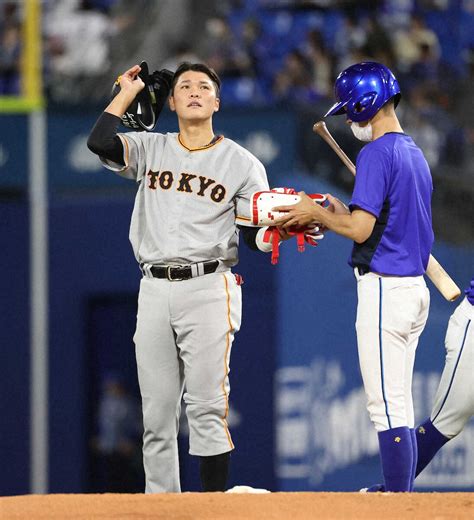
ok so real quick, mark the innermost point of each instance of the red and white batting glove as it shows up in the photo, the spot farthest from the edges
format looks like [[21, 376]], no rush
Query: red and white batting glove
[[270, 237]]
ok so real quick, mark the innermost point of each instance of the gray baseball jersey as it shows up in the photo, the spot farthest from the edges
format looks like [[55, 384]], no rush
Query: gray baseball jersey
[[188, 201], [187, 208]]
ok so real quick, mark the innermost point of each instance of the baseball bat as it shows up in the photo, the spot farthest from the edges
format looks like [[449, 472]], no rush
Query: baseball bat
[[435, 272]]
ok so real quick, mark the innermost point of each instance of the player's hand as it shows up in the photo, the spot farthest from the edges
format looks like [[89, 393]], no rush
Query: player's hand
[[130, 82], [284, 235], [336, 206], [304, 213]]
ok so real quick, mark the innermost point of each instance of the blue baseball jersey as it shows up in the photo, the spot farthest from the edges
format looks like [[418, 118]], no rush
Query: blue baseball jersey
[[394, 184]]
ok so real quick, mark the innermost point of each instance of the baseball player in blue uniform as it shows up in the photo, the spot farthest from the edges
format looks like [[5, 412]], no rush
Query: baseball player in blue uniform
[[389, 220], [454, 400], [193, 195]]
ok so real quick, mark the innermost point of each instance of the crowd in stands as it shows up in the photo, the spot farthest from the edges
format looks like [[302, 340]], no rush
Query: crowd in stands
[[10, 48], [267, 52]]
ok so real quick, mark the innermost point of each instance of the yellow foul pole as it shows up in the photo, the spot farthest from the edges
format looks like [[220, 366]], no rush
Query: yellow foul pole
[[31, 96]]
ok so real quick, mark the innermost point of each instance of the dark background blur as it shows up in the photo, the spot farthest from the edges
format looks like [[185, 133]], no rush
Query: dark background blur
[[297, 407]]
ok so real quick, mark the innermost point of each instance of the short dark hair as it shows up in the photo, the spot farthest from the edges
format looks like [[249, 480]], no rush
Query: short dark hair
[[197, 67]]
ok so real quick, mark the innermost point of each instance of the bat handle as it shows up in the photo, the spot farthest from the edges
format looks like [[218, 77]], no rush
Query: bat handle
[[441, 280], [321, 129]]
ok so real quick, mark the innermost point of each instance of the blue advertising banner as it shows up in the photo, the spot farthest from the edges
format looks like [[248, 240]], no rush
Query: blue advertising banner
[[14, 152]]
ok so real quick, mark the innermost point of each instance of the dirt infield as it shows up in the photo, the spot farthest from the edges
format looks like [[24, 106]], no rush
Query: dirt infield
[[215, 506]]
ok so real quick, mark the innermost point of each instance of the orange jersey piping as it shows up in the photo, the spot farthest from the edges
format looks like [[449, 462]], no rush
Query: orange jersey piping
[[201, 148], [226, 367]]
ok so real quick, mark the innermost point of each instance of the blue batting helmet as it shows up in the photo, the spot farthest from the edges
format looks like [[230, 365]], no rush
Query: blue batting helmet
[[362, 89]]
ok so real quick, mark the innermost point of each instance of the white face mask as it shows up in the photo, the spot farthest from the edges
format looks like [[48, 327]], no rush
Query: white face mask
[[363, 133]]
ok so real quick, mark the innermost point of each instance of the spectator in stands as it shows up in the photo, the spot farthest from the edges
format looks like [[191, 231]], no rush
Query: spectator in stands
[[10, 53], [350, 35], [104, 5], [9, 14], [321, 64], [78, 37], [251, 32], [422, 122], [182, 53], [156, 30], [294, 82], [222, 51], [425, 69], [235, 37], [411, 42], [10, 49], [378, 44]]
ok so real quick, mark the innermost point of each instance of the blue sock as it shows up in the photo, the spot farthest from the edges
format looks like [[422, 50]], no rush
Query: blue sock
[[396, 454], [415, 457], [429, 440]]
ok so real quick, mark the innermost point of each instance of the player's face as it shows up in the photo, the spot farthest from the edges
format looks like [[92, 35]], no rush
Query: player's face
[[194, 97]]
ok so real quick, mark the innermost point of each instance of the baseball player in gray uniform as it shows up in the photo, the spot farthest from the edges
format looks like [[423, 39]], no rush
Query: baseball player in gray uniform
[[194, 189], [454, 400]]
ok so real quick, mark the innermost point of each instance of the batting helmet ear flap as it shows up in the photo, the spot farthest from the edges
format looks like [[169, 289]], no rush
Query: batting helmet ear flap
[[358, 106]]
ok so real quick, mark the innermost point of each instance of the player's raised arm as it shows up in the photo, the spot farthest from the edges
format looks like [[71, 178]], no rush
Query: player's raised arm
[[138, 98], [103, 139], [130, 85]]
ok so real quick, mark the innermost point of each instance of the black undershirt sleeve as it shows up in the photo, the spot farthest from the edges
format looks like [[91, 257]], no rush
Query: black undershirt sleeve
[[250, 235], [103, 139]]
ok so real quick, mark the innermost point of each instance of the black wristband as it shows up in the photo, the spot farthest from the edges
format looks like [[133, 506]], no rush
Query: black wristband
[[250, 236]]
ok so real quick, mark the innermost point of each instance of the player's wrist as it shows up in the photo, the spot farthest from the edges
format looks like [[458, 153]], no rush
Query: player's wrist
[[118, 106], [321, 216], [264, 245]]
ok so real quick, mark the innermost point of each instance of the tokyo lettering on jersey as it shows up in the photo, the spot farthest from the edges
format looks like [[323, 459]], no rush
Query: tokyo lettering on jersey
[[394, 184], [188, 201]]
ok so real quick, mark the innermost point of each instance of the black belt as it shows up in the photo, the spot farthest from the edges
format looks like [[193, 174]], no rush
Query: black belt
[[362, 270], [176, 273]]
